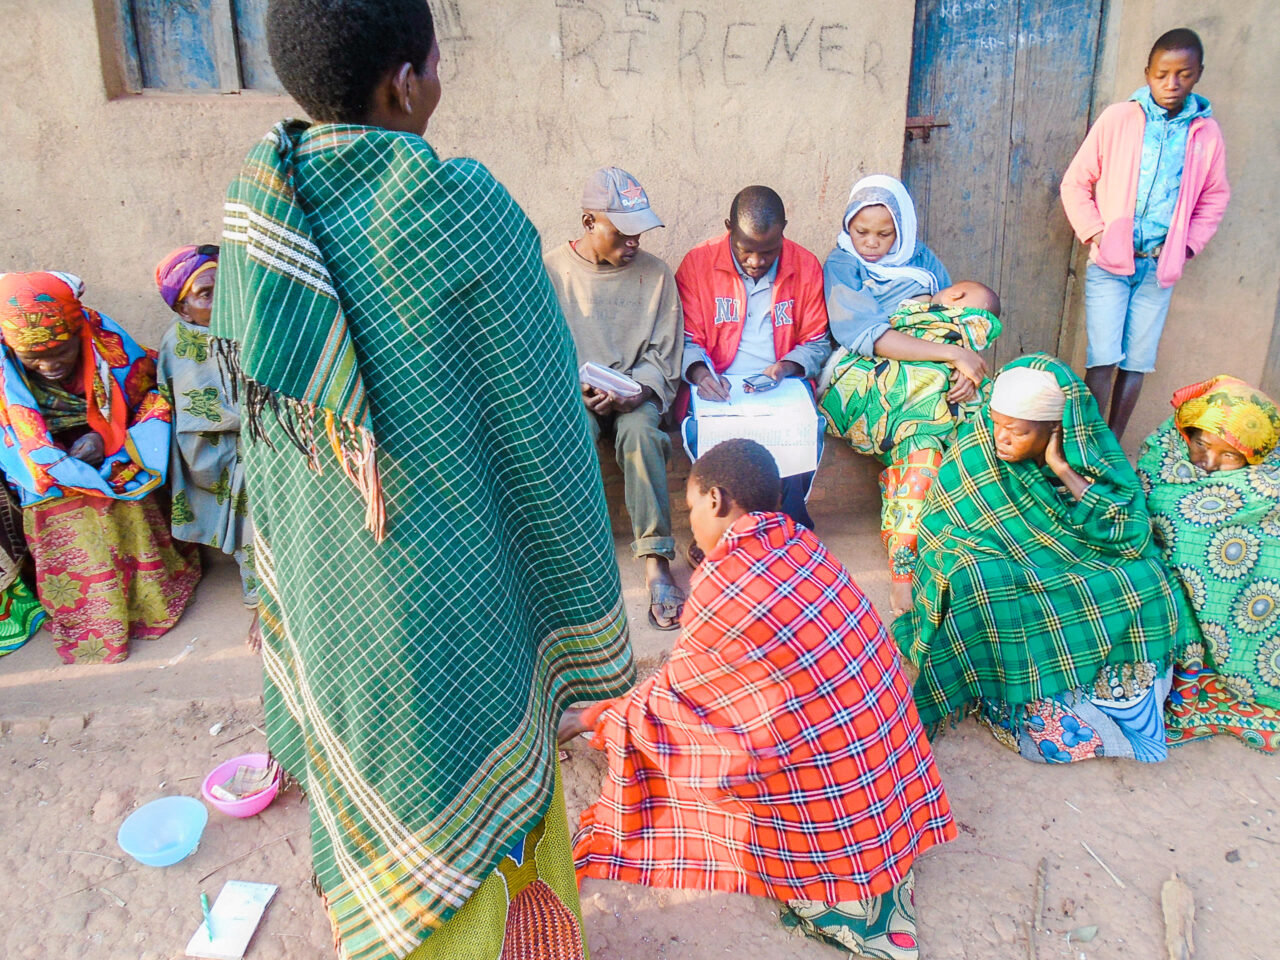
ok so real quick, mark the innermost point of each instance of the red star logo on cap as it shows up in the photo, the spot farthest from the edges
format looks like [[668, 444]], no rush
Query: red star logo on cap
[[633, 192]]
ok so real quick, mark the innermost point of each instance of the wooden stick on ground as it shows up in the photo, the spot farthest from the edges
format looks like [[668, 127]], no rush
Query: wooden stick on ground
[[1037, 905], [1110, 872], [1037, 908], [90, 853], [247, 853], [91, 886], [1179, 908]]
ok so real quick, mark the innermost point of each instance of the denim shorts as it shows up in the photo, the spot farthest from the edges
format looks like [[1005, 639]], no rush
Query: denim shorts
[[1124, 316]]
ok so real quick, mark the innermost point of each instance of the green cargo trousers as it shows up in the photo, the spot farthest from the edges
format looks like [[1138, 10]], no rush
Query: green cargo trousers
[[641, 448]]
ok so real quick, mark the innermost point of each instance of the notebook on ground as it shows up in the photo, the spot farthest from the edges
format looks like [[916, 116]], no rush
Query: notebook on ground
[[235, 917]]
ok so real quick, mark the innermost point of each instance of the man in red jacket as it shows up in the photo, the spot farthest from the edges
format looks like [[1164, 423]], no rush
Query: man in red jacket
[[753, 304]]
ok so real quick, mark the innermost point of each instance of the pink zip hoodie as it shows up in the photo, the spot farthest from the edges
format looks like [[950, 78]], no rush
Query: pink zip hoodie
[[1100, 190]]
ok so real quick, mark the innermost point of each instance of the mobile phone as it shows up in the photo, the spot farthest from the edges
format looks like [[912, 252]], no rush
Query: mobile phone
[[759, 382]]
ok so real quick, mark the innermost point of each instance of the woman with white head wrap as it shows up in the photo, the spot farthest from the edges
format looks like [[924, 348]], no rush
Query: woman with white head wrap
[[1026, 423], [1041, 601], [878, 262], [905, 374]]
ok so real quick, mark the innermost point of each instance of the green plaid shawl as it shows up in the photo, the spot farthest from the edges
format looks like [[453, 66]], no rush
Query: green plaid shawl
[[1022, 593], [413, 685]]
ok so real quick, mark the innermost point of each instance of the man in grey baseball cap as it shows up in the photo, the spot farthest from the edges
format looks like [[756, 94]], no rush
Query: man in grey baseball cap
[[619, 196], [624, 312]]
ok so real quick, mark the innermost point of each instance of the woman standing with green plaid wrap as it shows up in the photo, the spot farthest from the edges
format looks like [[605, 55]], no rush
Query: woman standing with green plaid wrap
[[437, 573], [1040, 597]]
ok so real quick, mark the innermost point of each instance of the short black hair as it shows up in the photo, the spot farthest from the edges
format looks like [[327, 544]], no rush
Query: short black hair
[[1182, 38], [756, 209], [330, 54], [209, 250], [744, 470]]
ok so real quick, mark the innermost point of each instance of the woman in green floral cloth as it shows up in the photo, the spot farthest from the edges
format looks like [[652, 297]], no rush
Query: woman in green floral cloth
[[206, 473], [1212, 473]]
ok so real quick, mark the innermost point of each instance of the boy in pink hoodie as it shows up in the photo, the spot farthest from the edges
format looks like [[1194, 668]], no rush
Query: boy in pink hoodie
[[1146, 191]]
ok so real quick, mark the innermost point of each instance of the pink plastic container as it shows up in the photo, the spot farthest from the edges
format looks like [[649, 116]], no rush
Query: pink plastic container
[[249, 805]]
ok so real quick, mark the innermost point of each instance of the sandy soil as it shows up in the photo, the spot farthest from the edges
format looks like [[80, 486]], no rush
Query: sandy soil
[[80, 747]]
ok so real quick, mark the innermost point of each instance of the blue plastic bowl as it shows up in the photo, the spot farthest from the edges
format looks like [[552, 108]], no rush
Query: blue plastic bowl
[[163, 831]]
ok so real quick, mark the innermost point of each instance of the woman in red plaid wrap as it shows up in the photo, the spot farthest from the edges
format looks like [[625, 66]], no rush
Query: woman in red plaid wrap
[[778, 752]]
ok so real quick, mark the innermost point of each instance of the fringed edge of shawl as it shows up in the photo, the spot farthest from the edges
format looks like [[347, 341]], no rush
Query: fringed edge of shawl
[[353, 445]]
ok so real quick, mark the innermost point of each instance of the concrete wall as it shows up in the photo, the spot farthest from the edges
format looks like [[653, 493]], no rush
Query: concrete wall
[[1225, 306], [697, 99], [694, 98]]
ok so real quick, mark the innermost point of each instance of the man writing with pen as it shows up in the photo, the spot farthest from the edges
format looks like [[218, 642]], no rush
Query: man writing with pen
[[753, 306]]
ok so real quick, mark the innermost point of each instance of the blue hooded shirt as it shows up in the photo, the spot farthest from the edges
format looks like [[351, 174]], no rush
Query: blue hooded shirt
[[1164, 150]]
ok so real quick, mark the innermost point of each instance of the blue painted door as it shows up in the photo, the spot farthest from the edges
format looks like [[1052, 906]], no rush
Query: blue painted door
[[175, 44], [1013, 79], [251, 46]]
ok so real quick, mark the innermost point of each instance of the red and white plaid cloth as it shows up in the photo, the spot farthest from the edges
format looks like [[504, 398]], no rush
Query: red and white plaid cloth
[[778, 752]]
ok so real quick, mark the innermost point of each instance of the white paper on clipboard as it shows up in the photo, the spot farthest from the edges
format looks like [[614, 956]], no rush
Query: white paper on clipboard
[[783, 420]]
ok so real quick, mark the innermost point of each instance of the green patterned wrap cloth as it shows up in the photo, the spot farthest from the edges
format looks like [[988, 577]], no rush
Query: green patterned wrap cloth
[[1221, 532], [888, 409], [206, 468]]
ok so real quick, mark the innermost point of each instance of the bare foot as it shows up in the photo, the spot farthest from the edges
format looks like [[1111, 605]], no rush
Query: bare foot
[[900, 597], [254, 640], [666, 600]]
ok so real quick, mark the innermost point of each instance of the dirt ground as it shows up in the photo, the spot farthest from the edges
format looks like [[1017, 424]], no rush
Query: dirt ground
[[80, 747]]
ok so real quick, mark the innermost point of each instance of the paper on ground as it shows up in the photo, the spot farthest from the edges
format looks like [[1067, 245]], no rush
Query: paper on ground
[[782, 420], [235, 917]]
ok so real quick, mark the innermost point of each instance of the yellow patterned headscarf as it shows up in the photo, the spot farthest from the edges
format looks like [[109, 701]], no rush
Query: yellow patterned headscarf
[[1231, 410]]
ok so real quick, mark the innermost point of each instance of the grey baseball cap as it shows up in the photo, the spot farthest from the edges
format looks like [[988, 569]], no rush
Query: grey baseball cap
[[617, 194]]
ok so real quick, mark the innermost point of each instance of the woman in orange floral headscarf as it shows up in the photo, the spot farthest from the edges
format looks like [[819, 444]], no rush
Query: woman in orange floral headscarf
[[1212, 474], [84, 442]]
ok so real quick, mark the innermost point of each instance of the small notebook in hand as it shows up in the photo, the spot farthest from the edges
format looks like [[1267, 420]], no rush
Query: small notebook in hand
[[235, 917], [607, 379]]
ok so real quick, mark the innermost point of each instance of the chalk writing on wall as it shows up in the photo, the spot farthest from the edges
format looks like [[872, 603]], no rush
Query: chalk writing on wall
[[697, 96], [601, 42]]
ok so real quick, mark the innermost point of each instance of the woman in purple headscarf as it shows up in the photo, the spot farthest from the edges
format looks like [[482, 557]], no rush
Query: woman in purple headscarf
[[210, 503]]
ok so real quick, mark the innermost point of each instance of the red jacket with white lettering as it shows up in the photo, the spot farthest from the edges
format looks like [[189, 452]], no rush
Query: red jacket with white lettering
[[714, 299]]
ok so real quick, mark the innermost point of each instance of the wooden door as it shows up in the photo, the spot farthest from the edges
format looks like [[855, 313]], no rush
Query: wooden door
[[1013, 81]]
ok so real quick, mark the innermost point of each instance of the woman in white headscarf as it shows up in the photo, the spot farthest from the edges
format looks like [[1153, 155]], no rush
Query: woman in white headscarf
[[877, 263], [904, 375], [1041, 600]]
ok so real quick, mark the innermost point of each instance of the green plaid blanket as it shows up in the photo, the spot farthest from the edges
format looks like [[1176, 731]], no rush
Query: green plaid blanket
[[1023, 593], [413, 684]]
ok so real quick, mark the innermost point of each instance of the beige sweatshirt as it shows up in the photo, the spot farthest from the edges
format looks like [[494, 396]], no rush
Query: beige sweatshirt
[[627, 318]]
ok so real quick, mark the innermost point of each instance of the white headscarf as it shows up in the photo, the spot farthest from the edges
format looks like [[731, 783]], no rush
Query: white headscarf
[[882, 190], [1028, 395]]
